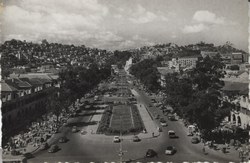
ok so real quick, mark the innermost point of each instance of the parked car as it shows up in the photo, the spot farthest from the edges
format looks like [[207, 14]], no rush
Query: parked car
[[136, 138], [195, 140], [151, 153], [74, 129], [63, 139], [116, 139], [28, 155], [163, 122], [171, 134], [53, 148], [83, 132], [157, 116], [44, 146], [170, 150]]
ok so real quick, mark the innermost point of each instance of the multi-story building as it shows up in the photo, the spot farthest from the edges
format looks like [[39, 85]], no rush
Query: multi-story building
[[237, 91], [24, 99], [237, 58], [184, 62]]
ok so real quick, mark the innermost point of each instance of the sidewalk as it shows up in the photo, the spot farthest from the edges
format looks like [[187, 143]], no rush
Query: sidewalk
[[231, 151]]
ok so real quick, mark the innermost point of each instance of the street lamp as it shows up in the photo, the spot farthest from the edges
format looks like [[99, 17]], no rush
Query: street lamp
[[121, 152]]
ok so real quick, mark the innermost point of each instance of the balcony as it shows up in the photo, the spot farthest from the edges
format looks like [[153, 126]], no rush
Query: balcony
[[25, 100]]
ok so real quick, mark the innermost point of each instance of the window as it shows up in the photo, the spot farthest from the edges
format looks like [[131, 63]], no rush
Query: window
[[9, 97]]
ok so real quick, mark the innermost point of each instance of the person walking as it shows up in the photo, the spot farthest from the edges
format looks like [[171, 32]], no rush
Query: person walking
[[153, 134], [204, 150]]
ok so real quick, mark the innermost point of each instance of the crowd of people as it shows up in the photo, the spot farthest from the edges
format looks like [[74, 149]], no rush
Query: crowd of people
[[36, 134]]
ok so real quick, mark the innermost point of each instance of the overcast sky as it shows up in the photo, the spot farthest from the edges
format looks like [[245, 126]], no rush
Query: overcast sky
[[124, 24]]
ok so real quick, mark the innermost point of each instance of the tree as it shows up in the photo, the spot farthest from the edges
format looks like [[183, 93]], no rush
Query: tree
[[196, 95], [147, 72], [54, 105]]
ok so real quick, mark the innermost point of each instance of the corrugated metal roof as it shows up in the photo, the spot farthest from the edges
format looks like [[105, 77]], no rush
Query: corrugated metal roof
[[7, 88], [17, 83]]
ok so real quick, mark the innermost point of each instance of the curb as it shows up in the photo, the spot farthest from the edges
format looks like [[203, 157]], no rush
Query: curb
[[37, 149], [149, 112]]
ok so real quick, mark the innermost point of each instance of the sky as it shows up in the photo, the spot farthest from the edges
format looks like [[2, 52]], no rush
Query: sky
[[126, 24]]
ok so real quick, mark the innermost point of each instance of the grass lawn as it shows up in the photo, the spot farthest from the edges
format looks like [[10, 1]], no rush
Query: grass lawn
[[121, 118]]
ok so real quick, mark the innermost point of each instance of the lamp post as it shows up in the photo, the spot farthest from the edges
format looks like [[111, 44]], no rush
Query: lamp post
[[121, 152]]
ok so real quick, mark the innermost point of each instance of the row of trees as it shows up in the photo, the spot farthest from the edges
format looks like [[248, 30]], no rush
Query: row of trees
[[78, 80], [196, 95]]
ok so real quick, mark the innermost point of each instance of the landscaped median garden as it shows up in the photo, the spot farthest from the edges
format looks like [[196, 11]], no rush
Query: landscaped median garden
[[123, 119]]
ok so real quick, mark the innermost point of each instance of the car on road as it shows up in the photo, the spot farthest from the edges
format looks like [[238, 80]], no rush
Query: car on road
[[53, 148], [63, 139], [163, 122], [151, 153], [170, 150], [171, 134], [195, 140], [116, 139], [136, 138], [171, 117], [74, 129], [83, 132]]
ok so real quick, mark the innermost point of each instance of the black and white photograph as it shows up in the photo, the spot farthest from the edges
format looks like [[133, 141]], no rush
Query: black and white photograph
[[125, 81]]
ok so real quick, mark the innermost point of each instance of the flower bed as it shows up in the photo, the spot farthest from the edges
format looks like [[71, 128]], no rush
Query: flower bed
[[123, 119]]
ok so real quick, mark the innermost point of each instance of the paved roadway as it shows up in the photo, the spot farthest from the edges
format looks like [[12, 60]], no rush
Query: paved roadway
[[80, 149], [186, 151]]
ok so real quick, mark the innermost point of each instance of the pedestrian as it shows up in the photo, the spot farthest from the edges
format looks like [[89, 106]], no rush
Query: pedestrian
[[204, 150], [153, 134]]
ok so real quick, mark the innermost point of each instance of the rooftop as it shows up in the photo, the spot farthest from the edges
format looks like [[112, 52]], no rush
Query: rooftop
[[7, 88]]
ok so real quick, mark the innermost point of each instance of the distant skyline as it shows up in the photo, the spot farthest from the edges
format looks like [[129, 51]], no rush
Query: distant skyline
[[126, 24]]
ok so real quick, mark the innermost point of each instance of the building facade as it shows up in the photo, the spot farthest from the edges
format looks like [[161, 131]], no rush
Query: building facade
[[24, 99]]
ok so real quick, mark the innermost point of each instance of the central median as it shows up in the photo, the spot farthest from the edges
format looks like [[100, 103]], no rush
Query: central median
[[123, 119]]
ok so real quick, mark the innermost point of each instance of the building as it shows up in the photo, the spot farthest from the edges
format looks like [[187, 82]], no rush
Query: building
[[8, 92], [114, 69], [226, 58], [183, 62], [237, 58], [238, 93], [128, 64], [24, 98], [209, 54]]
